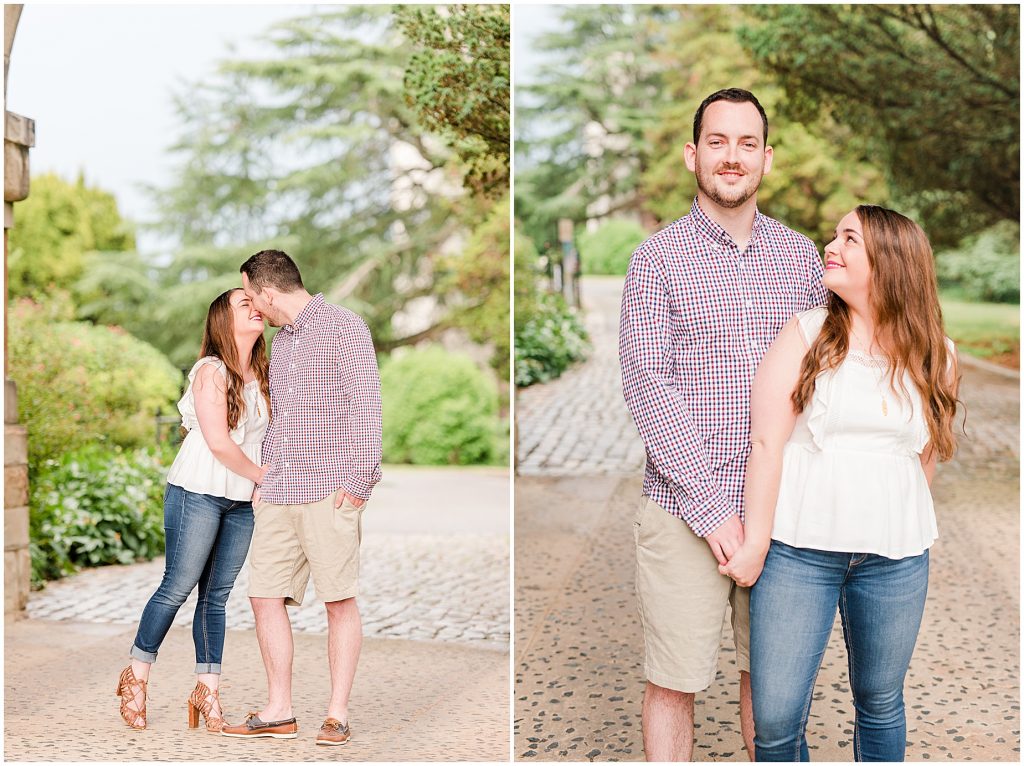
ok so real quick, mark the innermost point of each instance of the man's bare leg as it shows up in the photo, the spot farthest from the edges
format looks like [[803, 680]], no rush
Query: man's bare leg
[[274, 633], [746, 713], [667, 717], [344, 640]]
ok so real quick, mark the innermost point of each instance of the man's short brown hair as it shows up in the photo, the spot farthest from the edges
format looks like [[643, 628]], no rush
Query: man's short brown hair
[[272, 268]]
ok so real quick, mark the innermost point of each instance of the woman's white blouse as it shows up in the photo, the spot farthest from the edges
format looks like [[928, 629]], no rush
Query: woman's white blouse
[[195, 468], [852, 479]]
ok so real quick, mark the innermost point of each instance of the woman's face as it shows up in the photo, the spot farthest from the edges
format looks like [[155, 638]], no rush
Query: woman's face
[[247, 320], [847, 270]]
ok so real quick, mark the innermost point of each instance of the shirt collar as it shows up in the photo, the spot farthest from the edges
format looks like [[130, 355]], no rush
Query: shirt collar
[[307, 314], [714, 232]]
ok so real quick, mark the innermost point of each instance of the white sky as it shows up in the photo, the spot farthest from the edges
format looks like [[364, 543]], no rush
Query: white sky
[[97, 80]]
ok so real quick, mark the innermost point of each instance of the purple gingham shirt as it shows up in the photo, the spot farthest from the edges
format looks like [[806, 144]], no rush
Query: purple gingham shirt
[[697, 316], [325, 425]]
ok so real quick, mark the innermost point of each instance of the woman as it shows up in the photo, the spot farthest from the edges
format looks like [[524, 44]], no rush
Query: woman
[[850, 409], [207, 504]]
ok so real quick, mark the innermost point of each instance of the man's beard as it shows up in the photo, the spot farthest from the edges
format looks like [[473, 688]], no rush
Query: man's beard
[[739, 195]]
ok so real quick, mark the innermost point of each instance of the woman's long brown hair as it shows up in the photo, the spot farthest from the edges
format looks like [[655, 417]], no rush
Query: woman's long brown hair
[[219, 341], [908, 323]]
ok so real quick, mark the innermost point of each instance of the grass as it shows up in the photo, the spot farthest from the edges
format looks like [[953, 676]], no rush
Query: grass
[[987, 330]]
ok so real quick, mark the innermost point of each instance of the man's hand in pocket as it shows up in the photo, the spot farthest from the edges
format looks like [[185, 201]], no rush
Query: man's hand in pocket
[[342, 496]]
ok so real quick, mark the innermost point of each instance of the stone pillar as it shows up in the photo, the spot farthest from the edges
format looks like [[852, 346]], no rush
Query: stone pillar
[[17, 564], [19, 137]]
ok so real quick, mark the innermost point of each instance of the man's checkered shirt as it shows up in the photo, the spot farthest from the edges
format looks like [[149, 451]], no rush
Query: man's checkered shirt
[[697, 316], [325, 425]]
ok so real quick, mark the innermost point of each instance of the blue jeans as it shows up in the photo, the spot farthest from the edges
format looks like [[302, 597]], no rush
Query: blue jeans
[[792, 608], [207, 539]]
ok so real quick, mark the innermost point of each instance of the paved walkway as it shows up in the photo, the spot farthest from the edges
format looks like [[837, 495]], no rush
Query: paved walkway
[[579, 646], [578, 422], [435, 606]]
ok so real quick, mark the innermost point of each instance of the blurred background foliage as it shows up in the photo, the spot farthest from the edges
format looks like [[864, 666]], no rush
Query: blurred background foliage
[[912, 107], [372, 144]]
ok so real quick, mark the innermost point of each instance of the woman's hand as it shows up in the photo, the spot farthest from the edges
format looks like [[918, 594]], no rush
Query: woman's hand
[[745, 566]]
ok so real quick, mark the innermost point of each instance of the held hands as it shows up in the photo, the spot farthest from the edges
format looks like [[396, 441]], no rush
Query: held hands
[[726, 540], [746, 564]]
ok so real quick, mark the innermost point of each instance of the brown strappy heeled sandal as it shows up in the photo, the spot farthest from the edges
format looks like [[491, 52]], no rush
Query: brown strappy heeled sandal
[[130, 689], [201, 701]]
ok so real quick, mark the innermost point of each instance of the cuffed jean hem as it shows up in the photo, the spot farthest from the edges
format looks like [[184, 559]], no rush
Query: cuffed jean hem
[[141, 655], [208, 667]]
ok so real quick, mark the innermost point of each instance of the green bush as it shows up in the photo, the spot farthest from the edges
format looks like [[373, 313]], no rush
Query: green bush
[[548, 340], [80, 384], [439, 409], [986, 267], [95, 506], [607, 249]]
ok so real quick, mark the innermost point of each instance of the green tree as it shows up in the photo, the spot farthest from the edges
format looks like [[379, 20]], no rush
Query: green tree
[[936, 88], [314, 148], [315, 145], [581, 143], [56, 226], [479, 273], [457, 80], [821, 170]]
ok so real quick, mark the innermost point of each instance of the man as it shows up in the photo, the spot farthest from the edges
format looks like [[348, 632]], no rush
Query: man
[[703, 300], [323, 448]]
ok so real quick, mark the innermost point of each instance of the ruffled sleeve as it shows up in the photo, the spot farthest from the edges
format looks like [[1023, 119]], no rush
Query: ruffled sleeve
[[817, 413], [810, 323], [187, 405]]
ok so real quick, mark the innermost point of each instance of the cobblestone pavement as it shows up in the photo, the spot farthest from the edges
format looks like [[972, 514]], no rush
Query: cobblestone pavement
[[429, 587], [579, 422], [445, 585], [579, 645]]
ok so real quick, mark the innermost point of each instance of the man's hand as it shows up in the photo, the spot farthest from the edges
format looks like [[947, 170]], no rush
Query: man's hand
[[745, 565], [727, 539], [255, 495], [343, 495]]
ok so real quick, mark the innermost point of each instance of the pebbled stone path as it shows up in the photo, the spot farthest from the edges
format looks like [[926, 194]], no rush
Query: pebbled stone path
[[579, 422]]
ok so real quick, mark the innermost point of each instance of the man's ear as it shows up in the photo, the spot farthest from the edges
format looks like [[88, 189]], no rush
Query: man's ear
[[769, 155], [690, 156]]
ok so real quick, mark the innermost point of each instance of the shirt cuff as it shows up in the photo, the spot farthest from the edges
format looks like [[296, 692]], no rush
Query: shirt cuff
[[358, 487], [709, 509]]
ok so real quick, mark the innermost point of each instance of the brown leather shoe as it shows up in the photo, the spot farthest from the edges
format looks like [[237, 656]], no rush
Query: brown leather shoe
[[254, 727], [333, 732]]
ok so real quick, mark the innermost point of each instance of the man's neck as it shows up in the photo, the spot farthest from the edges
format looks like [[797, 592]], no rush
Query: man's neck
[[737, 221], [292, 304]]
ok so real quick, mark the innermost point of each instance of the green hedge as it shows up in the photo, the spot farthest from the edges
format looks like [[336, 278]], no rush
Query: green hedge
[[607, 249], [548, 339], [439, 409], [81, 384], [985, 267], [95, 506]]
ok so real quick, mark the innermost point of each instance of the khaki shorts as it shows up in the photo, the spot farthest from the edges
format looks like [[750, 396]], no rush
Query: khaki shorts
[[682, 597], [291, 541]]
